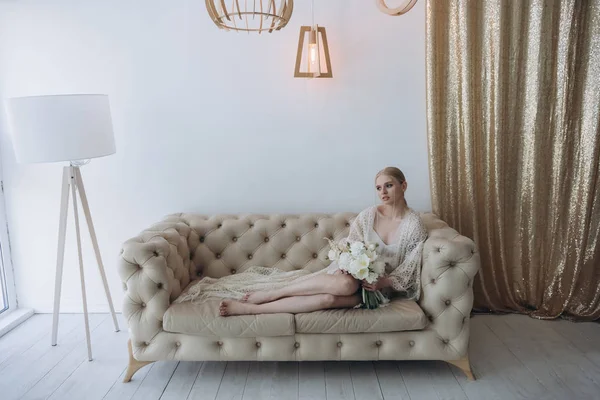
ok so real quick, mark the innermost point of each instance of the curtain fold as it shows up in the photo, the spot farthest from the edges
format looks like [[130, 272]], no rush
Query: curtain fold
[[513, 113]]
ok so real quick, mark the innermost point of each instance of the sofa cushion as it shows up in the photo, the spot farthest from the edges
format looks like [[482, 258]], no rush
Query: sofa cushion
[[398, 315], [203, 319]]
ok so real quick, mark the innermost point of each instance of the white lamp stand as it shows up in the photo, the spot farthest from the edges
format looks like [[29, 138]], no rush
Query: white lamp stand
[[66, 128]]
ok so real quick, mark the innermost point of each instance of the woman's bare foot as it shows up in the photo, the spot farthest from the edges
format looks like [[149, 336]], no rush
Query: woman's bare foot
[[258, 297], [231, 307]]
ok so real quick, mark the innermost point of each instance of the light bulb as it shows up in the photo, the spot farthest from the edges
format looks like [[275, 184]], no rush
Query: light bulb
[[313, 57]]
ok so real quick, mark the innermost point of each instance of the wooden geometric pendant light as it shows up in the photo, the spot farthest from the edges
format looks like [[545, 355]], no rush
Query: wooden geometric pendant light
[[254, 16], [317, 62]]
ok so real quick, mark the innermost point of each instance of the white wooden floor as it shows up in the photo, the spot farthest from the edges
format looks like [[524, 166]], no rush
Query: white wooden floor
[[513, 357]]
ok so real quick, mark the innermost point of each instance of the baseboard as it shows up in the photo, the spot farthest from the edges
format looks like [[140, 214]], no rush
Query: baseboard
[[13, 319]]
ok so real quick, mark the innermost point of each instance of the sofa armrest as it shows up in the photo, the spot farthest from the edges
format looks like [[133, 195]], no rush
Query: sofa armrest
[[450, 262], [154, 268]]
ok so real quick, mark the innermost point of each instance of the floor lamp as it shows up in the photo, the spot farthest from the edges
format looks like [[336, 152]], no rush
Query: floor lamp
[[73, 128]]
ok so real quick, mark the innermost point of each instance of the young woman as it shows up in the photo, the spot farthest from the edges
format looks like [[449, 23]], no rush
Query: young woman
[[395, 226]]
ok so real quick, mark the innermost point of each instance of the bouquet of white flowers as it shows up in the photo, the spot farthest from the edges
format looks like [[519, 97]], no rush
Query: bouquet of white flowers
[[360, 259]]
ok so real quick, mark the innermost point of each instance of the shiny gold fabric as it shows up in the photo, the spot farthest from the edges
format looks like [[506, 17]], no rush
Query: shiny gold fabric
[[513, 110]]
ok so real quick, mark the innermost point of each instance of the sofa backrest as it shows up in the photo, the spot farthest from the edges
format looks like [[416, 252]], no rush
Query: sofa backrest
[[227, 244]]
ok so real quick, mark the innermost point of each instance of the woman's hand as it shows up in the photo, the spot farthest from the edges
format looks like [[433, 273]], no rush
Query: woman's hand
[[380, 284]]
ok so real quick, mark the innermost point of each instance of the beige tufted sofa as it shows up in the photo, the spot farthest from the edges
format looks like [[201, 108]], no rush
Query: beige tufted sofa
[[161, 262]]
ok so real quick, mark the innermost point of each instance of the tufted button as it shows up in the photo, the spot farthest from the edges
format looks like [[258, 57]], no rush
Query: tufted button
[[315, 255], [155, 253], [219, 343], [249, 256], [191, 256], [233, 271], [201, 239], [258, 344], [266, 239], [439, 249], [159, 285], [283, 256], [218, 255], [143, 304], [316, 225], [220, 225], [430, 318], [330, 237], [296, 345], [283, 225], [451, 264], [432, 280], [445, 341], [378, 343], [251, 225], [411, 343], [146, 344], [447, 302], [339, 344], [347, 224], [177, 344], [298, 238], [234, 239], [199, 273]]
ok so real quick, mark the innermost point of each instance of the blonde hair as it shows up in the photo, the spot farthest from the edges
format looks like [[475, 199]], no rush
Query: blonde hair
[[394, 173]]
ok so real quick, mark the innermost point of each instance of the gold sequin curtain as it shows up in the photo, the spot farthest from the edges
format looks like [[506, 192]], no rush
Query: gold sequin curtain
[[513, 113]]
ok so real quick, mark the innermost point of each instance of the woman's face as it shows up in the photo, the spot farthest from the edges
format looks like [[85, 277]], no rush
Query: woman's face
[[389, 189]]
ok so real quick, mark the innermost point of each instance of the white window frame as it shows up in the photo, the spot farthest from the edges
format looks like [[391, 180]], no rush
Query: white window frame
[[9, 275]]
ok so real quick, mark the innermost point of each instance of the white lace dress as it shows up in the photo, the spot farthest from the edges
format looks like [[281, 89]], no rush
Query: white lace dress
[[402, 258]]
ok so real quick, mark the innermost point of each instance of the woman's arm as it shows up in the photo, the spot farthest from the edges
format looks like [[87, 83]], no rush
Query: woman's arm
[[406, 276]]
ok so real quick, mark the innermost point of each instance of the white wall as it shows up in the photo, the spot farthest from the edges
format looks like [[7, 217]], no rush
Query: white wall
[[206, 121]]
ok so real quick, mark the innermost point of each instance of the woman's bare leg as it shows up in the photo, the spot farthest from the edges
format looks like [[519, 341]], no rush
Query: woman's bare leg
[[294, 304], [338, 285]]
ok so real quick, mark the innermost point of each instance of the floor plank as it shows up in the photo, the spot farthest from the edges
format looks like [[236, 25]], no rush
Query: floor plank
[[285, 383], [93, 379], [234, 381], [417, 380], [364, 381], [391, 381], [123, 391], [571, 366], [24, 336], [156, 381], [500, 375], [585, 336], [35, 329], [261, 375], [183, 379], [311, 380], [32, 365], [338, 382], [208, 381]]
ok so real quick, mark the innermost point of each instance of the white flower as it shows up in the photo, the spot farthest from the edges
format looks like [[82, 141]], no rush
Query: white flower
[[359, 264], [372, 247], [344, 260], [378, 267], [372, 255], [362, 273], [372, 277], [333, 254], [357, 248]]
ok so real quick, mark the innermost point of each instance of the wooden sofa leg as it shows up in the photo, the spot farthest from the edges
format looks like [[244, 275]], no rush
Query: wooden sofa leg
[[134, 365], [465, 367]]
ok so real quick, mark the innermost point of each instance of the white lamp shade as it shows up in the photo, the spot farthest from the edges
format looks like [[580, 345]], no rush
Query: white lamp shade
[[60, 127]]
